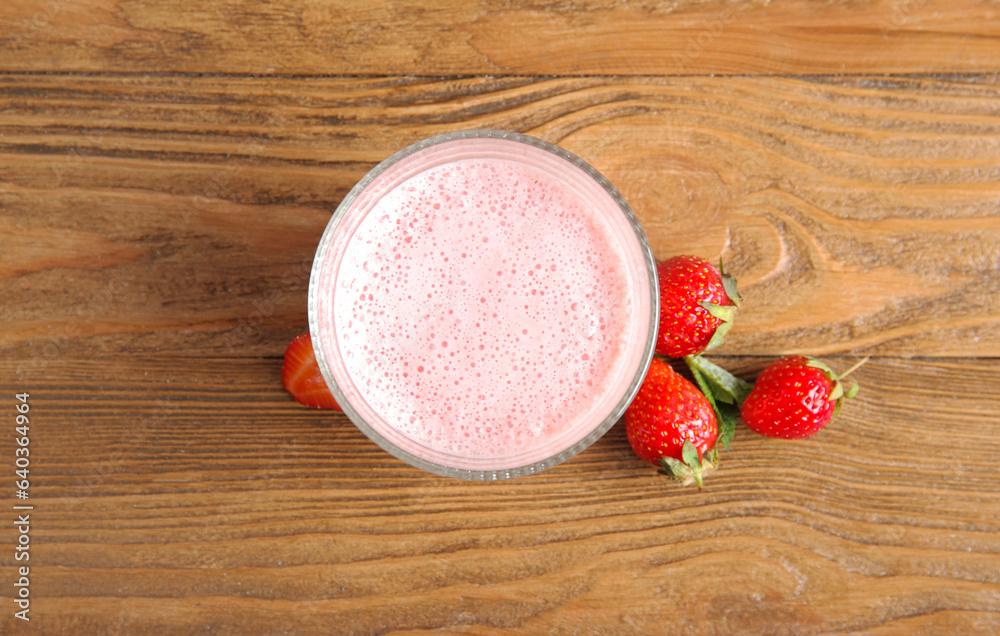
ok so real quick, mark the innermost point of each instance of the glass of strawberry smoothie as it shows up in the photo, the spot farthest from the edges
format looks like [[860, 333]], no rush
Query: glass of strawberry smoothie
[[483, 305]]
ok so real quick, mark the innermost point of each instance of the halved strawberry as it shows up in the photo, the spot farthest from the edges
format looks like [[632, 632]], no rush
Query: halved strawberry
[[301, 377]]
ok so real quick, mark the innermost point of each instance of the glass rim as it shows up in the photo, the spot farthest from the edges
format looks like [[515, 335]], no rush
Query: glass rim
[[450, 471]]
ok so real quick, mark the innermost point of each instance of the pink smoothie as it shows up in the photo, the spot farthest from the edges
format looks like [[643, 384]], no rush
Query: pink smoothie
[[485, 308]]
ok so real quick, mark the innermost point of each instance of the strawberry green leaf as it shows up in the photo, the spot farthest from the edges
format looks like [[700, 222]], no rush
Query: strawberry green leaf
[[702, 383], [719, 336], [838, 391], [684, 474], [693, 469], [851, 392], [836, 409], [725, 313], [725, 413], [822, 366], [729, 284], [690, 455], [725, 386], [672, 468], [727, 424]]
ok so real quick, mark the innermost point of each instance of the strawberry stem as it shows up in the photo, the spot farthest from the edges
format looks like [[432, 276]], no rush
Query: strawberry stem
[[855, 367]]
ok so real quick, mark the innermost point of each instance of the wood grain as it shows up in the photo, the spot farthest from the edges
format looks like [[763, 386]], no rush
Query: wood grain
[[180, 215], [218, 502], [167, 167], [454, 37]]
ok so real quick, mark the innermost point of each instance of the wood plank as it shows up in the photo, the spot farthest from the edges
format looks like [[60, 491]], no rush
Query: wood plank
[[452, 37], [176, 492], [180, 214]]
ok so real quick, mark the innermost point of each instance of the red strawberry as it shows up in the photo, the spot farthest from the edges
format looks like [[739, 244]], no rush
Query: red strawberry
[[672, 424], [697, 306], [301, 377], [795, 397]]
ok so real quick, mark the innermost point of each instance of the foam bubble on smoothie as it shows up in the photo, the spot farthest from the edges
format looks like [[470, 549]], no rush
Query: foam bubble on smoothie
[[481, 308]]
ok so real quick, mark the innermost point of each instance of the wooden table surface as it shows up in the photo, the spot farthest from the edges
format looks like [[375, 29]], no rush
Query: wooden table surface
[[167, 168]]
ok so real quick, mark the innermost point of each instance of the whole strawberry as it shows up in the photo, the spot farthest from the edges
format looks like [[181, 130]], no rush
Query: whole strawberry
[[795, 397], [697, 306], [670, 423]]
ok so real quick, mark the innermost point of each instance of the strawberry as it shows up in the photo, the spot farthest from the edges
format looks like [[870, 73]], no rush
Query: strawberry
[[671, 423], [697, 306], [795, 397], [301, 377]]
